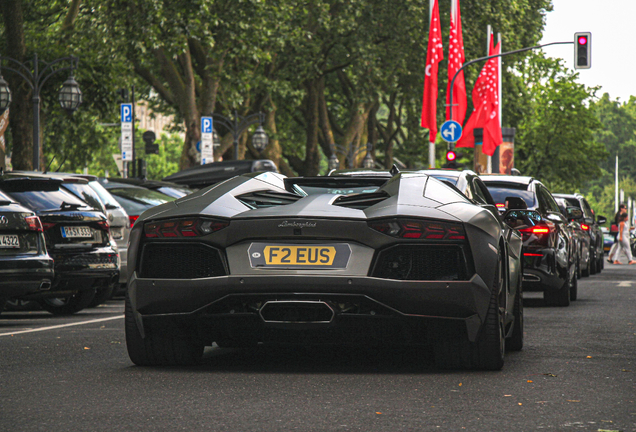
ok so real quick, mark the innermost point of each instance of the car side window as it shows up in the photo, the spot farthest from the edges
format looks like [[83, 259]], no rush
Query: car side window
[[481, 189], [587, 209], [478, 195], [543, 205], [551, 204]]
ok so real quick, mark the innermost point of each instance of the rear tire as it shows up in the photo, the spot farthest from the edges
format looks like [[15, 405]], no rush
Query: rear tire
[[68, 305], [560, 297], [586, 270], [159, 348], [102, 294], [515, 342], [3, 301], [593, 269], [574, 288]]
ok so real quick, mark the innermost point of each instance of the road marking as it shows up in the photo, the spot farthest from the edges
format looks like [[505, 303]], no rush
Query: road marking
[[61, 326], [625, 284]]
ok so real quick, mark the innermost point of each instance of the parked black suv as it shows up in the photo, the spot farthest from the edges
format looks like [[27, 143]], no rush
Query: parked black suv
[[77, 238], [591, 225], [549, 258], [25, 265]]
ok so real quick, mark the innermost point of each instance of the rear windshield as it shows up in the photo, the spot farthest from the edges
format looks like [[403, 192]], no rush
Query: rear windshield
[[85, 192], [499, 194], [449, 179], [48, 200]]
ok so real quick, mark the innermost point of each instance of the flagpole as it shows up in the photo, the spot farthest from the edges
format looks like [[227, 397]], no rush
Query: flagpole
[[488, 37], [431, 143]]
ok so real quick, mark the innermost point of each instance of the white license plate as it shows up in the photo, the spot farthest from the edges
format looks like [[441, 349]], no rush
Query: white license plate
[[77, 232], [9, 241]]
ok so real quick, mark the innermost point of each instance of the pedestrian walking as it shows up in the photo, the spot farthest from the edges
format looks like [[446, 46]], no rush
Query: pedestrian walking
[[622, 209], [623, 239]]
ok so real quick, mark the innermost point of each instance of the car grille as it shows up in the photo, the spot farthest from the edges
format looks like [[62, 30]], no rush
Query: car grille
[[421, 262], [180, 261]]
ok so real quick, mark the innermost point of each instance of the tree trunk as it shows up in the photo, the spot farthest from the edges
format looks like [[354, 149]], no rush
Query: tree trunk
[[20, 120], [311, 164]]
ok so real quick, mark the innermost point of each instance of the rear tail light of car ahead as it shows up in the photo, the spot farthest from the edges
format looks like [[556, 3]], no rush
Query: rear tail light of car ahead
[[179, 228], [419, 229], [34, 223], [132, 219], [537, 229], [585, 227]]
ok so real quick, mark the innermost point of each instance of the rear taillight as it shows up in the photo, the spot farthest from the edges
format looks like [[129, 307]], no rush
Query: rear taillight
[[542, 229], [528, 254], [585, 227], [500, 206], [48, 225], [34, 223], [417, 229], [104, 225], [132, 219], [178, 228]]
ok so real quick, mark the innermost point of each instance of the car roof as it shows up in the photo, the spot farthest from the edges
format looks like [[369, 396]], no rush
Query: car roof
[[504, 178], [446, 172], [71, 178]]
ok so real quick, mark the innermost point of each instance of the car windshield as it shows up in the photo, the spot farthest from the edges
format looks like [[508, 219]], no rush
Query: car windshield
[[500, 193], [48, 200]]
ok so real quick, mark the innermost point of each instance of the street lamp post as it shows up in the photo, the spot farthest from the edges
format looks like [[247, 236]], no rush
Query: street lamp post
[[70, 96], [239, 124]]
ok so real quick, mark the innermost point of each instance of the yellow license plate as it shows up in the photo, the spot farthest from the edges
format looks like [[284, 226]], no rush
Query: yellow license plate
[[299, 255], [289, 256]]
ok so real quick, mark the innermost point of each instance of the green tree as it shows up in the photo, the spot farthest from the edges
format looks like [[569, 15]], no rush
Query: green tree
[[557, 129]]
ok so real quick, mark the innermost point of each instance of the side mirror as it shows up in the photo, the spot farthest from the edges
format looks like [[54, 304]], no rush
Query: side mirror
[[573, 213], [601, 220], [556, 217]]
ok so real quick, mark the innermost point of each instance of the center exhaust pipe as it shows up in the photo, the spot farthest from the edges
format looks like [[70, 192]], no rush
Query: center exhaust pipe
[[297, 312], [45, 285]]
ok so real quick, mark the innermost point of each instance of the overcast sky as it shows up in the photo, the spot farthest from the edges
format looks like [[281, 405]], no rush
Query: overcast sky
[[613, 27]]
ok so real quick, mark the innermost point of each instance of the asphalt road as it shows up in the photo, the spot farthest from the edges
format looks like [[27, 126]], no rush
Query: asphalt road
[[576, 372]]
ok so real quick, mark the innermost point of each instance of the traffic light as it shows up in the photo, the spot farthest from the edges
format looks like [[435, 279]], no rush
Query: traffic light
[[582, 50], [451, 160]]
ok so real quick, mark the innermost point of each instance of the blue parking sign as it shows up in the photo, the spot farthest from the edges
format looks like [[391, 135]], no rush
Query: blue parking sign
[[126, 113], [206, 125]]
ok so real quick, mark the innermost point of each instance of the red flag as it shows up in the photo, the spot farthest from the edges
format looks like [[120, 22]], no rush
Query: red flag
[[434, 55], [486, 103], [455, 61]]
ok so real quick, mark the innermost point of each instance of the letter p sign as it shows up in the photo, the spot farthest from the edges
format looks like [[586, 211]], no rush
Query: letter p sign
[[206, 125], [126, 113]]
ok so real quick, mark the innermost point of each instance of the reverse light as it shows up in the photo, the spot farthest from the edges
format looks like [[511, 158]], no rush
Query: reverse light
[[419, 229], [34, 223], [174, 228], [585, 227]]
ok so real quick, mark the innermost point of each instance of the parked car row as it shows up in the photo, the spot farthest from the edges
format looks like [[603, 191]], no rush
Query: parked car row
[[64, 238]]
